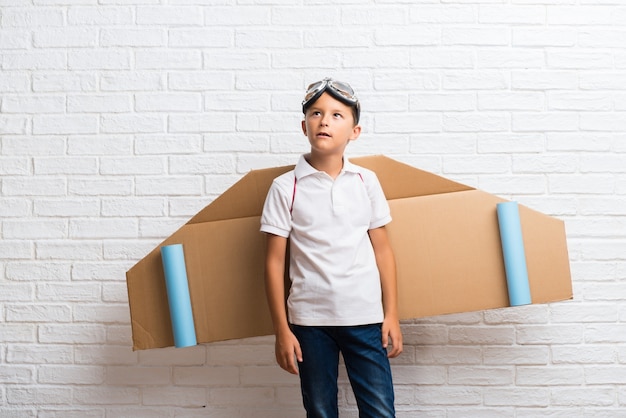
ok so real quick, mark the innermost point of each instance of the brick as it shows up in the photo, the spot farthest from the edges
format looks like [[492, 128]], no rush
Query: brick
[[552, 163], [512, 14], [442, 102], [113, 356], [175, 396], [478, 164], [583, 397], [65, 374], [23, 17], [94, 103], [211, 122], [132, 123], [67, 207], [587, 354], [51, 395], [16, 374], [393, 16], [487, 143], [37, 313], [432, 396], [535, 37], [133, 207], [557, 376], [65, 165], [549, 334], [168, 102], [125, 376], [29, 270], [132, 165], [74, 292], [481, 335], [133, 81], [14, 82], [66, 124], [511, 101], [442, 14], [475, 36], [242, 396], [103, 228], [251, 15], [99, 15], [65, 38], [150, 59], [169, 15], [99, 59], [580, 15], [39, 354], [199, 80], [480, 375], [103, 395], [173, 185], [474, 122], [545, 121], [516, 396], [65, 82], [475, 80], [18, 333], [215, 376], [544, 79], [407, 123], [35, 229], [213, 164], [94, 313], [71, 334], [14, 207], [350, 37], [120, 37], [526, 355], [14, 39], [102, 186], [33, 104], [407, 36]]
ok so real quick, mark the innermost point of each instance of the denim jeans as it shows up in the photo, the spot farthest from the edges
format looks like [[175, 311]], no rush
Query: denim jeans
[[366, 363]]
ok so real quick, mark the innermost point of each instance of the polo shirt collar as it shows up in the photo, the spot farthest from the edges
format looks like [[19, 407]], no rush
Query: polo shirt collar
[[303, 168]]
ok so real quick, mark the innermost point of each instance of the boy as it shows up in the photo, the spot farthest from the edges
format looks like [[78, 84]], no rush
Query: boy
[[343, 296]]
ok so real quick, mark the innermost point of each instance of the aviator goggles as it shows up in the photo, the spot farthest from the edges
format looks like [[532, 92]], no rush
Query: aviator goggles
[[338, 89]]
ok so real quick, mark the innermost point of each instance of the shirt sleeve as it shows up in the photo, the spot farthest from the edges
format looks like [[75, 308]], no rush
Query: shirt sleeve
[[381, 214], [276, 216]]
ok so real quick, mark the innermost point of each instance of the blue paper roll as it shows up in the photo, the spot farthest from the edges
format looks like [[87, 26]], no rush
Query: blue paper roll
[[514, 255], [178, 295]]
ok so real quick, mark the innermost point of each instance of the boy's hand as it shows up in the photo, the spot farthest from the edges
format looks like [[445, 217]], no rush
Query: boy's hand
[[391, 331], [287, 350]]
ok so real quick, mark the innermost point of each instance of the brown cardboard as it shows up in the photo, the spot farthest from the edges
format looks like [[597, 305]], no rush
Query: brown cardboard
[[445, 237]]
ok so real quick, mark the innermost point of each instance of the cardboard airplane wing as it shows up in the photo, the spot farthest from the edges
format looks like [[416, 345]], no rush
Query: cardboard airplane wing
[[444, 234]]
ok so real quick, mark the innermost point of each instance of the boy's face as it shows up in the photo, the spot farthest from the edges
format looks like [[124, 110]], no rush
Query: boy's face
[[329, 125]]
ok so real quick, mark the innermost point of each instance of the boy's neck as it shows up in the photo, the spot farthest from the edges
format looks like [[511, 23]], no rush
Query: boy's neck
[[330, 164]]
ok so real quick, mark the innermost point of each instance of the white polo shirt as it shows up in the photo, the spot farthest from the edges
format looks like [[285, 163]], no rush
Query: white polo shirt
[[335, 279]]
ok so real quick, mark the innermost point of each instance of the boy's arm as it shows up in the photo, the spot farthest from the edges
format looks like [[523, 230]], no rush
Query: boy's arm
[[287, 345], [386, 263]]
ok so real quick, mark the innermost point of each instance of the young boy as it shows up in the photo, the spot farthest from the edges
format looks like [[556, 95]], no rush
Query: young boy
[[343, 296]]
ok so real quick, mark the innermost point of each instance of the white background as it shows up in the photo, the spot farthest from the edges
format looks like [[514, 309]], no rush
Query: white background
[[120, 119]]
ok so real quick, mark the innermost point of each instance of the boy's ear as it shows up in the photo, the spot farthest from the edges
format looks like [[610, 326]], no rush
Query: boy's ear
[[356, 131], [304, 126]]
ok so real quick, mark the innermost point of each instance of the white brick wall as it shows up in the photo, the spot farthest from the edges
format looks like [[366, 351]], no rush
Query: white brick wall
[[120, 119]]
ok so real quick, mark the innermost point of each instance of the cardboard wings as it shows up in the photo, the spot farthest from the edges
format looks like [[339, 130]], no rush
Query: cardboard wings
[[444, 235]]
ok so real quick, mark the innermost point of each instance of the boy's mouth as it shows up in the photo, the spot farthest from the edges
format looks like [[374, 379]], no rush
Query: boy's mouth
[[323, 134]]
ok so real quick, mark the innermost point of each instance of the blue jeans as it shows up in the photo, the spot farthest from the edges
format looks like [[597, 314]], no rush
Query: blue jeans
[[366, 363]]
